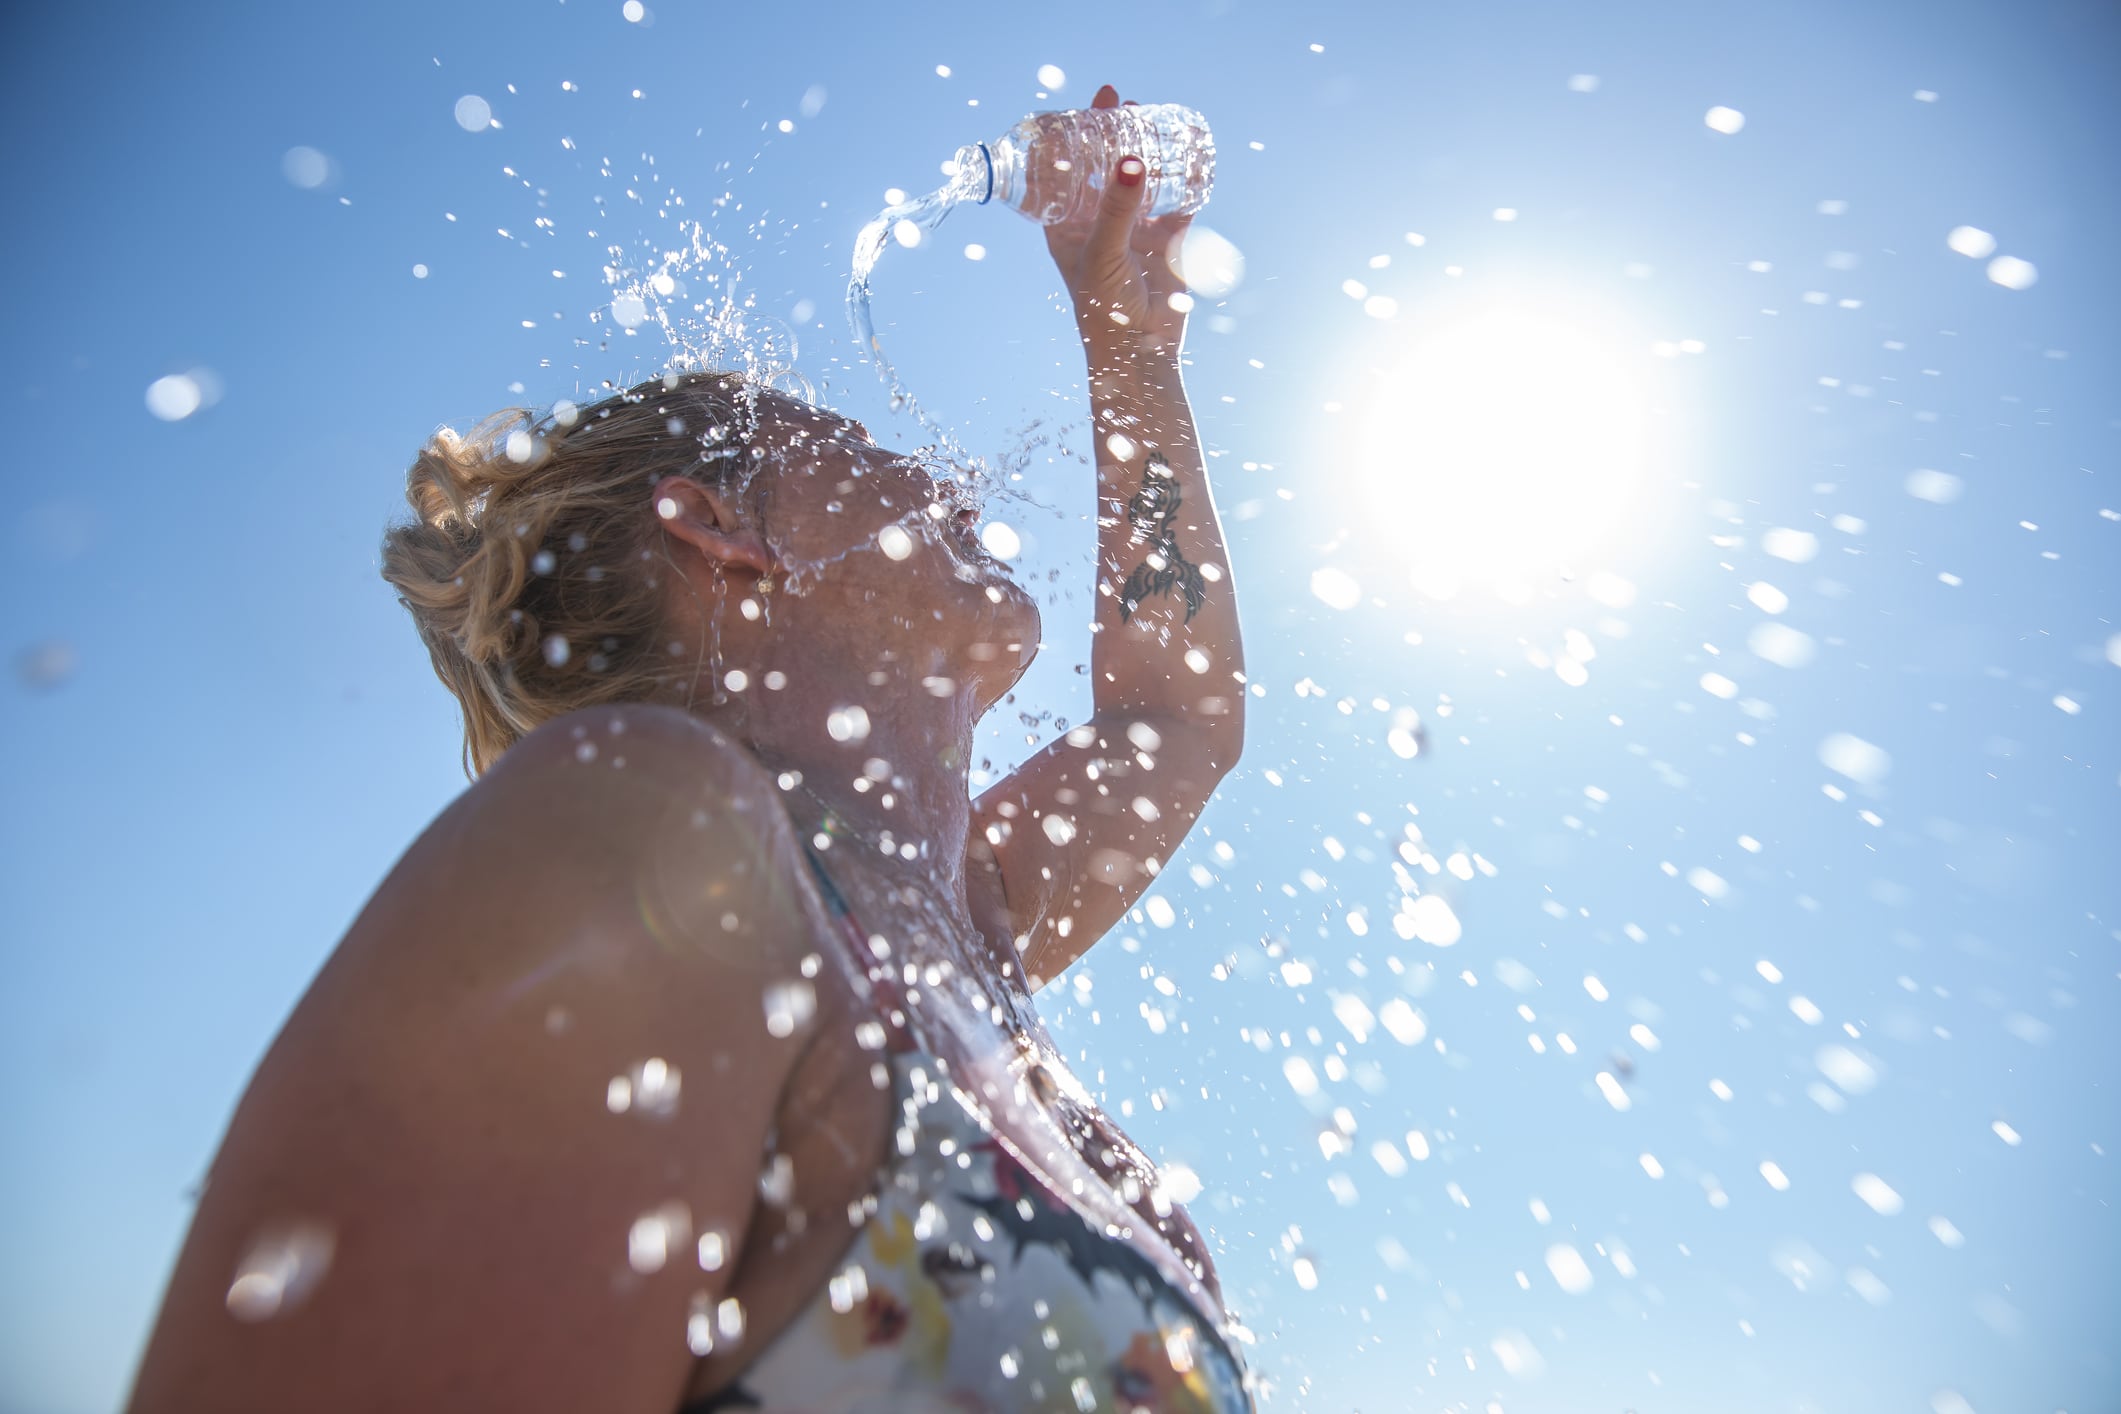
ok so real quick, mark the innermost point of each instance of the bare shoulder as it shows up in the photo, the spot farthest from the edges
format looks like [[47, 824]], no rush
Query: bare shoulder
[[536, 1069], [641, 812], [665, 735], [636, 761]]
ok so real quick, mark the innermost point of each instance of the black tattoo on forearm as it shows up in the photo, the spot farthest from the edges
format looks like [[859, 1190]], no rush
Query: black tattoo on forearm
[[1153, 514]]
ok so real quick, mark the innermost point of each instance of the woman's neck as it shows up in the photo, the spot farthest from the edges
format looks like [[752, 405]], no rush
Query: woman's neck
[[883, 776]]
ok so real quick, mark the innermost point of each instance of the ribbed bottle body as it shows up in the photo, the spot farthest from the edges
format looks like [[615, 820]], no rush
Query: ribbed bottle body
[[1054, 166]]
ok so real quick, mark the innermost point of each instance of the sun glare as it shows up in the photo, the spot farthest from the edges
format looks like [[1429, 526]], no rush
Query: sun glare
[[1505, 450]]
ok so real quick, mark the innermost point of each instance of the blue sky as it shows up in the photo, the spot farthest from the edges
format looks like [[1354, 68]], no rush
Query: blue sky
[[226, 731]]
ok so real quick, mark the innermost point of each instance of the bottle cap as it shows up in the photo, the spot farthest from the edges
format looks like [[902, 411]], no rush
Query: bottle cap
[[988, 158]]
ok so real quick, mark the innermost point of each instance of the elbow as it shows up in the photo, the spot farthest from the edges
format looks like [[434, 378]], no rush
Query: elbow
[[1216, 722], [1223, 734]]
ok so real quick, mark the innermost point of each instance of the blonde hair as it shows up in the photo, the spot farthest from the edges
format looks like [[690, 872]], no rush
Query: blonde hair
[[532, 569]]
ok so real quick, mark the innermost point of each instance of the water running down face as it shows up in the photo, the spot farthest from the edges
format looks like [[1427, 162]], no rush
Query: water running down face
[[871, 559]]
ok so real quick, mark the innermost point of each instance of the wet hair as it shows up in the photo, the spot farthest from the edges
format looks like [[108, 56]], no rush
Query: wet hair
[[533, 569]]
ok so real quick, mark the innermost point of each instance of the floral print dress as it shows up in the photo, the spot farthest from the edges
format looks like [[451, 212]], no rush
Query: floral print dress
[[976, 1287]]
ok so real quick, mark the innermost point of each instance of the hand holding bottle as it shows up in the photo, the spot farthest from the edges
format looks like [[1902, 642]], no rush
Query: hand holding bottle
[[1120, 268]]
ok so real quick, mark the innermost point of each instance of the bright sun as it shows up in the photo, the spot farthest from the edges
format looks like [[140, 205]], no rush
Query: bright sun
[[1508, 449]]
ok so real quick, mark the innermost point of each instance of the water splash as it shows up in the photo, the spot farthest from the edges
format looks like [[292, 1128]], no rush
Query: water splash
[[907, 222]]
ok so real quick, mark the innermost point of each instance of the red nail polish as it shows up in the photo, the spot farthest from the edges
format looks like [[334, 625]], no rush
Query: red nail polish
[[1130, 171]]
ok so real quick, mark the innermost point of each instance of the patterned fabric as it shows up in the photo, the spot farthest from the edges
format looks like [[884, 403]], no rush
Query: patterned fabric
[[976, 1288]]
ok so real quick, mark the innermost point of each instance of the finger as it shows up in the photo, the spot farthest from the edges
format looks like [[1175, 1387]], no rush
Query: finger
[[1107, 97], [1108, 257]]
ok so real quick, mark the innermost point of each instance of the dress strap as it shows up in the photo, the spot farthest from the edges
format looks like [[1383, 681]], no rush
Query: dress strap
[[880, 971], [835, 901]]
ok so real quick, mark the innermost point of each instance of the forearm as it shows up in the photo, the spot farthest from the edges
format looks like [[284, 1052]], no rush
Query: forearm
[[1166, 642]]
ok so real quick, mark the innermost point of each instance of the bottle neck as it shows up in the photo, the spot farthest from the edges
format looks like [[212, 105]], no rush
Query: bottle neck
[[975, 166]]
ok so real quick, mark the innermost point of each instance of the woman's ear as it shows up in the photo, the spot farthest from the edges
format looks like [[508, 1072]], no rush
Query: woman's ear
[[705, 519]]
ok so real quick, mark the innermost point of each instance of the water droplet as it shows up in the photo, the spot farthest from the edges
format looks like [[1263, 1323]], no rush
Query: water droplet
[[1781, 645], [653, 1234], [1571, 1273], [1432, 920], [279, 1270], [1877, 1194], [306, 167], [1335, 588], [1938, 487], [788, 1006], [1796, 546], [175, 397], [847, 1289], [1403, 1022], [1802, 1263], [1518, 1357], [474, 114], [1766, 597], [1855, 758], [1001, 540], [1855, 1074], [1971, 241], [1301, 1077], [1208, 262], [729, 1319], [847, 724], [2012, 273], [699, 1326]]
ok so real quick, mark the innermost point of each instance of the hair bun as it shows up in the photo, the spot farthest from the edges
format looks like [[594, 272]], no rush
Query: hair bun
[[530, 568]]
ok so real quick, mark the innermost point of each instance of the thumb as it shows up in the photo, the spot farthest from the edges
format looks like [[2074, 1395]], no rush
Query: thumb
[[1108, 259]]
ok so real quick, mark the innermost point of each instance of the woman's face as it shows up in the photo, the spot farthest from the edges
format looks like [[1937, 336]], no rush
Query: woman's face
[[888, 550]]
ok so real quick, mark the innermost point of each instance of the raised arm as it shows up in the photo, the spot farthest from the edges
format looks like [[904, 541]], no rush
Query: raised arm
[[1082, 828], [472, 1170]]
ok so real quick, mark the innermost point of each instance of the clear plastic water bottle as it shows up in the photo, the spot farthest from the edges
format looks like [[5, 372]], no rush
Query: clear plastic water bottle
[[1053, 166]]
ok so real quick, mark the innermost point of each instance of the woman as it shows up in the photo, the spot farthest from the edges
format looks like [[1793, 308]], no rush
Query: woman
[[687, 1062]]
